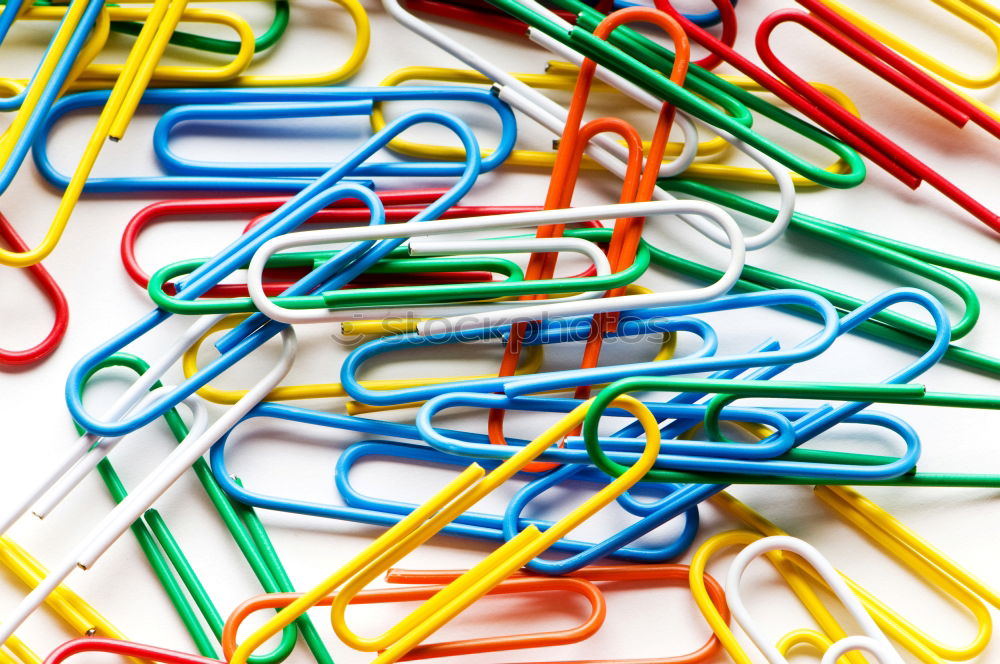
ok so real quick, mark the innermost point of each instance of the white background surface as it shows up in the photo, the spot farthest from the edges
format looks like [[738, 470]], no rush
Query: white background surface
[[643, 621]]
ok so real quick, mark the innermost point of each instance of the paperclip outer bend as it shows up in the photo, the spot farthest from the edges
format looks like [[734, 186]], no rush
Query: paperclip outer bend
[[48, 286]]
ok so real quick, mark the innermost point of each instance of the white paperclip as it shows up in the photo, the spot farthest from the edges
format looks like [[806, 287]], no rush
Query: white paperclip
[[873, 640]]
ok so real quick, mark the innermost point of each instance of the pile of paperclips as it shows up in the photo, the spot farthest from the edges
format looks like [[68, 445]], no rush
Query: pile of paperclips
[[412, 270]]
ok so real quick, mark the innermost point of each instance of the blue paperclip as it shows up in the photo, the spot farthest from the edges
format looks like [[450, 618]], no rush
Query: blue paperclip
[[239, 103], [331, 275], [473, 525], [546, 381], [813, 421]]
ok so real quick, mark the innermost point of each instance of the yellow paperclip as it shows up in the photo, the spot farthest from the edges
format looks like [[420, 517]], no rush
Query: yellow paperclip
[[550, 80], [77, 613], [976, 13], [189, 364], [424, 522]]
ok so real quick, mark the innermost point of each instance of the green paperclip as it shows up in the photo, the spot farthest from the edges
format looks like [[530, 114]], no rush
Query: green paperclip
[[404, 295], [163, 551], [728, 390], [211, 44], [888, 326], [627, 53]]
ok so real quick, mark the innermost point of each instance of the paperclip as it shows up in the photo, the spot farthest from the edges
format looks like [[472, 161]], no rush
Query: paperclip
[[72, 609], [946, 576], [872, 639], [117, 521], [401, 208], [255, 331], [599, 574], [702, 360], [474, 525], [896, 71], [48, 286], [281, 102], [454, 499], [163, 552], [512, 586], [529, 312]]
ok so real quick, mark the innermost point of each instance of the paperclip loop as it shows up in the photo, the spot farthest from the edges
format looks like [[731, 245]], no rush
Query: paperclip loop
[[908, 549], [250, 103], [871, 640], [896, 71], [422, 524], [512, 586], [163, 552], [48, 286], [256, 330], [604, 574], [700, 361], [72, 609]]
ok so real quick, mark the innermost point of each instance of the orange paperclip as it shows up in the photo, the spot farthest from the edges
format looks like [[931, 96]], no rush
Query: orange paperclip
[[670, 573], [639, 183], [520, 584]]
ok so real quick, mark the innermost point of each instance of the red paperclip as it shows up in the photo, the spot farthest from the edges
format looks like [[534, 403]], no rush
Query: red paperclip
[[670, 573], [522, 584], [47, 285], [400, 207], [638, 185], [878, 141], [775, 86], [128, 648]]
